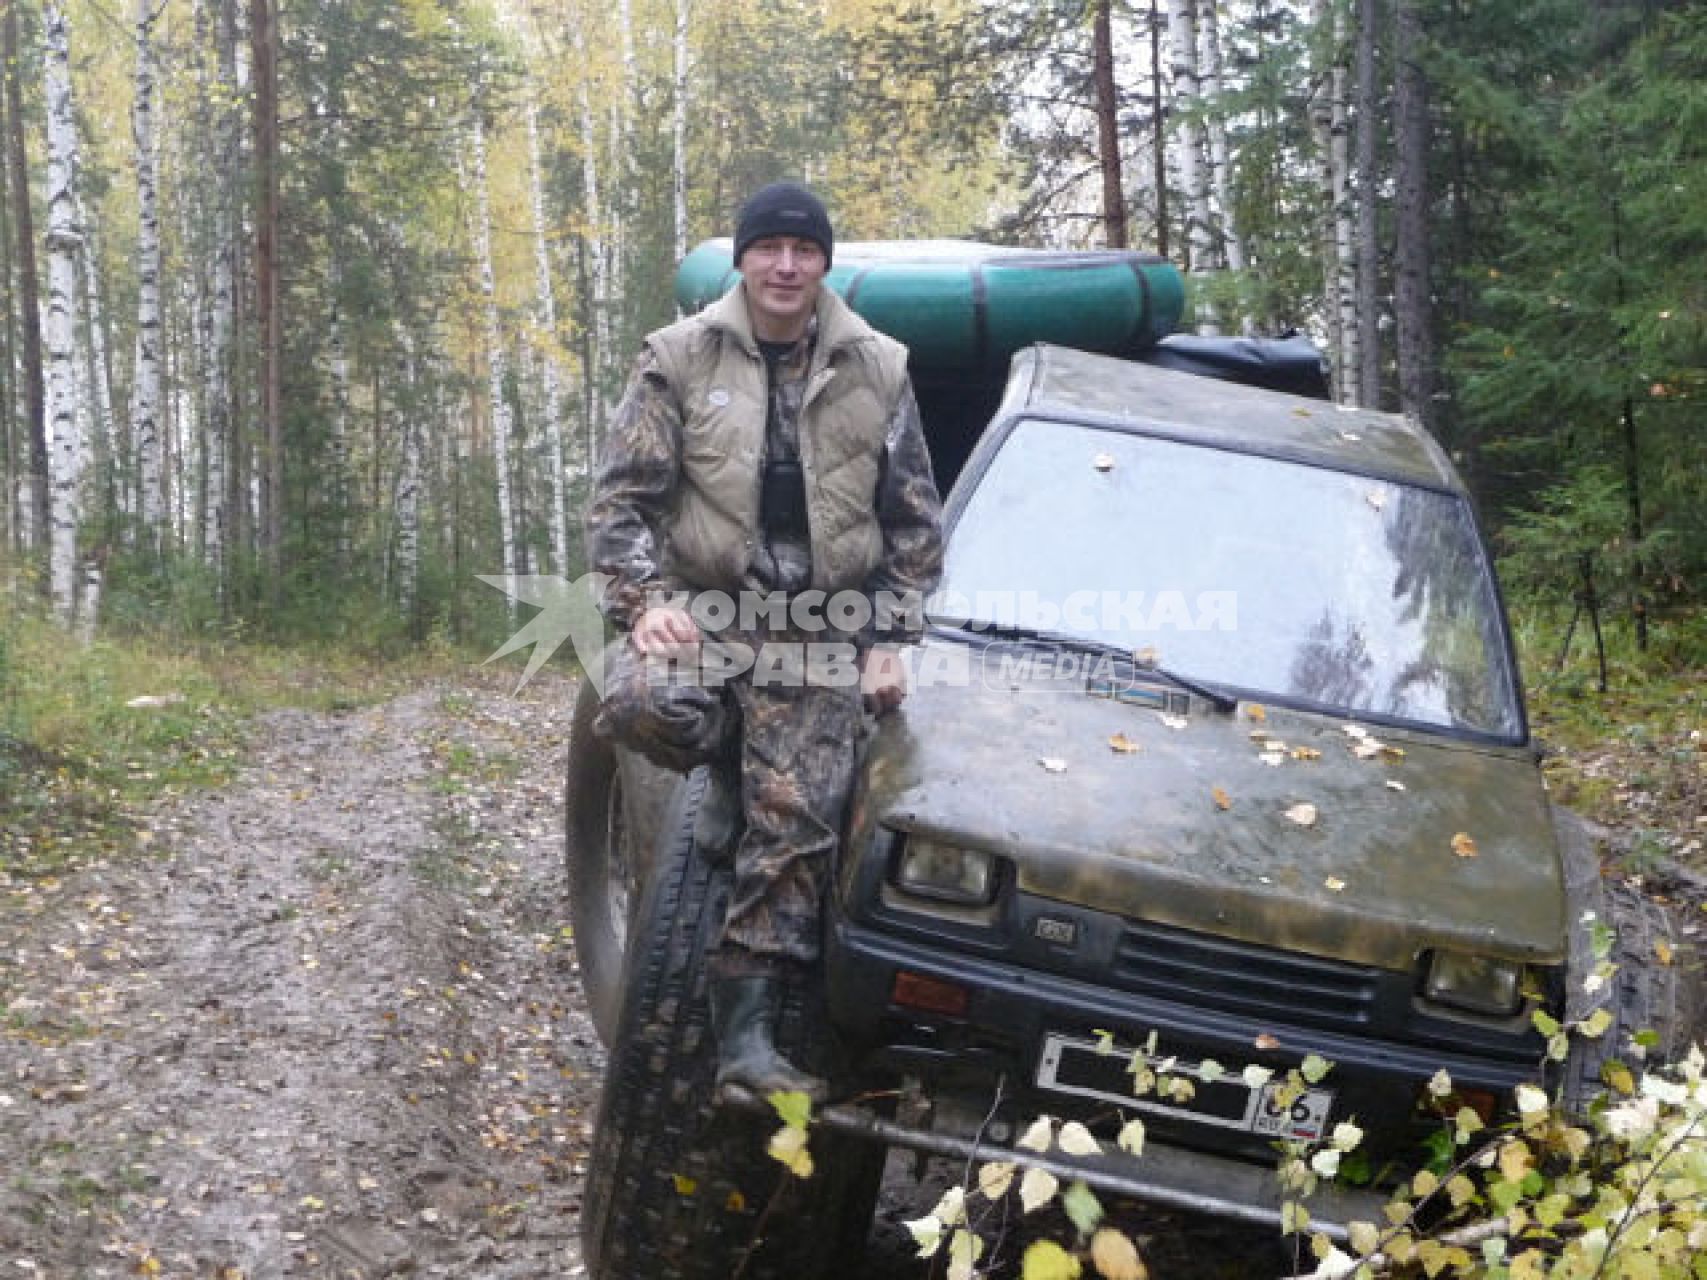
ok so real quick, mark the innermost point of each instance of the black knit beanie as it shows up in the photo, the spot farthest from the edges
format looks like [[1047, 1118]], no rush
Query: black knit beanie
[[784, 209]]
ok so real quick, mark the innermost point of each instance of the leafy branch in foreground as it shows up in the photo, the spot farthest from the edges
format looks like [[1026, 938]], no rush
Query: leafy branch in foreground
[[1615, 1188]]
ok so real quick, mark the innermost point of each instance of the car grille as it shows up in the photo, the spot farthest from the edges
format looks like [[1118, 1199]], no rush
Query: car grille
[[1237, 977]]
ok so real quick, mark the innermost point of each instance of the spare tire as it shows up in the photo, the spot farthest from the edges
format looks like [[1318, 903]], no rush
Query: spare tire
[[603, 875], [678, 1186]]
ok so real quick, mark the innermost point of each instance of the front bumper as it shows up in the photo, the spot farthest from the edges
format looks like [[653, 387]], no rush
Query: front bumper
[[992, 1050]]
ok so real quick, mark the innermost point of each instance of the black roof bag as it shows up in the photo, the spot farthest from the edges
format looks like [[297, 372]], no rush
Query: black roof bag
[[1291, 364]]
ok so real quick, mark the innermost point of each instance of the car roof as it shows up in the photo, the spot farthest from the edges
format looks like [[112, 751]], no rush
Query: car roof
[[1050, 381]]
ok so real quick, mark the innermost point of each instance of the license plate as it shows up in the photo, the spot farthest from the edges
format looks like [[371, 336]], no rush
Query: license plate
[[1085, 1068]]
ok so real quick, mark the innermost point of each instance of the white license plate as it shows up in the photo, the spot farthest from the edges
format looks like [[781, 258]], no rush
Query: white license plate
[[1086, 1068]]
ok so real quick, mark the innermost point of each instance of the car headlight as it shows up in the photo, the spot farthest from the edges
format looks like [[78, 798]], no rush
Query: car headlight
[[1477, 984], [944, 872]]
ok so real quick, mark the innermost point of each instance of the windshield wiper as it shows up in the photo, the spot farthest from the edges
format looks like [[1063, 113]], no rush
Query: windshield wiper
[[1216, 698]]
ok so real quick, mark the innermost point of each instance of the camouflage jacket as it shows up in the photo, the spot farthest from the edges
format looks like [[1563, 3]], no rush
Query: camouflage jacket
[[639, 487]]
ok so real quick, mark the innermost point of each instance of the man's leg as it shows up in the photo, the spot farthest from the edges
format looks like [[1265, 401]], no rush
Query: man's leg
[[797, 768]]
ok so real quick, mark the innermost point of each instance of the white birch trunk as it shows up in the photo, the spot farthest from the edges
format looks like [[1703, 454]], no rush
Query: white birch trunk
[[89, 606], [598, 255], [496, 368], [145, 427], [184, 458], [680, 163], [622, 184], [550, 384], [1328, 124], [1189, 145], [103, 436], [65, 448], [1220, 170], [218, 425]]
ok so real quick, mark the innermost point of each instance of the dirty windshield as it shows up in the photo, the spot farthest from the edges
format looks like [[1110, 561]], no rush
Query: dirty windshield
[[1268, 577]]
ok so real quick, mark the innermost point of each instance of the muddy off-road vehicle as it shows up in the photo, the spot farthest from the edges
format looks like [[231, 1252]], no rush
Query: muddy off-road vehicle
[[1216, 753]]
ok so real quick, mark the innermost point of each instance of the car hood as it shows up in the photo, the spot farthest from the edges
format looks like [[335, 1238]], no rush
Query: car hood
[[1430, 842]]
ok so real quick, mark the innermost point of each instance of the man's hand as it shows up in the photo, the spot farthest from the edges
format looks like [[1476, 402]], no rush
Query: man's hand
[[664, 631], [882, 680]]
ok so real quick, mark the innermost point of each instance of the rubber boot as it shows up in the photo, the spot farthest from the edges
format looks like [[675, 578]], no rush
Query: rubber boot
[[743, 1011], [720, 819]]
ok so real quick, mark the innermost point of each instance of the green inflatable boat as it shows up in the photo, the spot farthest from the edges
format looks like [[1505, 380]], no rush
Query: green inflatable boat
[[963, 307]]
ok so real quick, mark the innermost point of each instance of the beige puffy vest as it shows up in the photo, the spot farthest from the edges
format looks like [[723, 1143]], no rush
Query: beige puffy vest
[[712, 362]]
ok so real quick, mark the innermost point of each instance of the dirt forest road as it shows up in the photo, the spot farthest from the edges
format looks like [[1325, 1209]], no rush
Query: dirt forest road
[[328, 1028], [328, 1024]]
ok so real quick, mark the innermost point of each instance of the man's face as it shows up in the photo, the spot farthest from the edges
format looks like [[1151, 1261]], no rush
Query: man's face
[[783, 275]]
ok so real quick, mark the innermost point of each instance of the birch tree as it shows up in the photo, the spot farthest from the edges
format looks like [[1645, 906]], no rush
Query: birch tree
[[226, 487], [145, 428], [1220, 169], [98, 377], [679, 178], [1330, 123], [1189, 150], [496, 364], [596, 245], [546, 321], [29, 295], [59, 336]]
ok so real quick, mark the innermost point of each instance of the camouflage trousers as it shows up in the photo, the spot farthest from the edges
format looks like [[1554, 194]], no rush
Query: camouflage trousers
[[796, 740]]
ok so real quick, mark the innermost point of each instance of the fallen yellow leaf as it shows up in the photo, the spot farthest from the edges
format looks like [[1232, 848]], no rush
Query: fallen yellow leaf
[[1123, 745], [1115, 1256], [1256, 711], [1334, 884], [1223, 801], [788, 1146], [1463, 845]]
